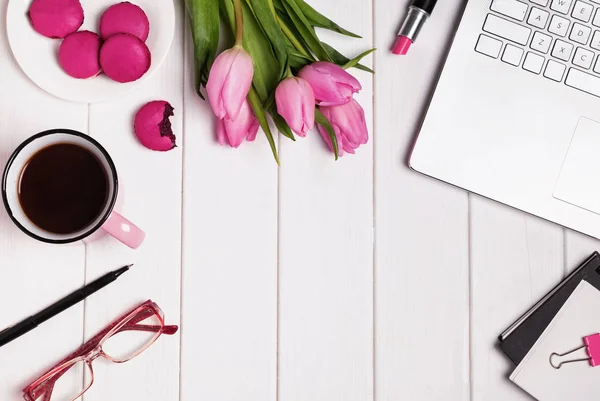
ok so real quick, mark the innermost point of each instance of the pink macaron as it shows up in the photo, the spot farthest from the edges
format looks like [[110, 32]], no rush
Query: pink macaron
[[56, 18], [125, 58], [124, 18], [78, 54], [153, 128]]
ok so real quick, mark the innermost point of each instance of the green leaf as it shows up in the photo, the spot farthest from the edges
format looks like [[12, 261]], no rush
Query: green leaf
[[204, 25], [356, 60], [307, 32], [266, 18], [278, 4], [319, 20], [298, 61], [282, 125], [227, 12], [324, 122], [270, 102], [292, 37], [342, 60], [261, 116]]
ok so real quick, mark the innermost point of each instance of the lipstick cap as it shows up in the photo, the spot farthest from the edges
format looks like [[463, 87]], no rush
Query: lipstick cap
[[425, 5]]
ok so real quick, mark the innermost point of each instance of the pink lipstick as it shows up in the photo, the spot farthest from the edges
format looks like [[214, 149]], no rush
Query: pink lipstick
[[419, 12]]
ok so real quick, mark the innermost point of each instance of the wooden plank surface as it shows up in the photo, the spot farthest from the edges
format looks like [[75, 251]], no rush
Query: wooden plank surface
[[326, 250], [421, 229], [151, 186], [33, 274], [578, 247], [515, 260], [229, 278]]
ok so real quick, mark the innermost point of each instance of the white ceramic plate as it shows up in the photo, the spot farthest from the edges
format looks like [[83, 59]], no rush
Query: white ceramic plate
[[37, 55]]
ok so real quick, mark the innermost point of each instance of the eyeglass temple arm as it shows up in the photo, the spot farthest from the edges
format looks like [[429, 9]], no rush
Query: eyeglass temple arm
[[93, 343], [48, 392], [168, 330]]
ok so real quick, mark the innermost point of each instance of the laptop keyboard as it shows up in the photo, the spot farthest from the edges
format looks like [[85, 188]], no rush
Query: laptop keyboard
[[556, 39]]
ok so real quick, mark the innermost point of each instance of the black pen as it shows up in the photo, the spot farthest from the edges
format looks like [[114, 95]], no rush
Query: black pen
[[24, 327], [419, 12]]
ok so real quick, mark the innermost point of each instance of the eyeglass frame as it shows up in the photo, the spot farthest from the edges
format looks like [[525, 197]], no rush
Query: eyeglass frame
[[92, 350]]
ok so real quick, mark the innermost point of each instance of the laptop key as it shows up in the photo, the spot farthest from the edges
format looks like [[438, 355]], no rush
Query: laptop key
[[533, 63], [542, 3], [583, 58], [580, 33], [583, 81], [541, 42], [507, 29], [561, 6], [582, 11], [559, 25], [597, 66], [554, 70], [595, 44], [511, 8], [488, 46], [538, 18], [512, 55], [562, 50], [596, 20]]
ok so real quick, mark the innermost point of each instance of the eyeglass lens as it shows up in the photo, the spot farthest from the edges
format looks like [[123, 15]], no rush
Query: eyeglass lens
[[76, 380], [134, 337]]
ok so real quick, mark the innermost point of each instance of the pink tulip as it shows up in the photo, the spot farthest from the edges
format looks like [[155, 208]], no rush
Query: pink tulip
[[229, 82], [296, 104], [244, 126], [332, 85], [348, 122]]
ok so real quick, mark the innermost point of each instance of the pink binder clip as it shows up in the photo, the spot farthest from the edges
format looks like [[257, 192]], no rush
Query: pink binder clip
[[592, 348]]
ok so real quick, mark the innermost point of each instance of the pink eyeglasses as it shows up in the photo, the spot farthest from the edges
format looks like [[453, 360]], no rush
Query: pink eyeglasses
[[120, 342]]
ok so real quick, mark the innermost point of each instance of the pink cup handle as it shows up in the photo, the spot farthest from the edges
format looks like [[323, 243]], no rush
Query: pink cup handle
[[124, 230]]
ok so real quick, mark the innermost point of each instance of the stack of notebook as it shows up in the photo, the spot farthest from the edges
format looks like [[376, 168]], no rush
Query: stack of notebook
[[554, 344]]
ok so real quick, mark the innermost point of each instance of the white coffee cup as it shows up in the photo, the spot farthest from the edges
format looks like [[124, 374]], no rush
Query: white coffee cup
[[108, 220]]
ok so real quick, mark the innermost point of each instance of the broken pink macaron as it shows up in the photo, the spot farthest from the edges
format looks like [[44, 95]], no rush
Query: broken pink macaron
[[78, 54], [56, 18], [124, 18], [153, 128], [125, 58]]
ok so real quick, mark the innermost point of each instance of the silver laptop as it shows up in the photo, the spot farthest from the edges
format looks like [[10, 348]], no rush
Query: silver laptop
[[516, 113]]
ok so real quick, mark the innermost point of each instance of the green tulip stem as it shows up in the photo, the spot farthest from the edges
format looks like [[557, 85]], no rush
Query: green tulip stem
[[272, 7], [295, 42], [239, 22]]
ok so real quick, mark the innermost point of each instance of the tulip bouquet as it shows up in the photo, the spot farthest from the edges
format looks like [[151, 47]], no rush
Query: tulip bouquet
[[278, 67]]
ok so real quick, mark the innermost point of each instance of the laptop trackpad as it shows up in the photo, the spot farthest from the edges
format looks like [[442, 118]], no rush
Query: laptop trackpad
[[579, 180]]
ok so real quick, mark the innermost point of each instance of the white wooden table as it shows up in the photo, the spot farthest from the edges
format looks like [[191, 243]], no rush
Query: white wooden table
[[356, 280]]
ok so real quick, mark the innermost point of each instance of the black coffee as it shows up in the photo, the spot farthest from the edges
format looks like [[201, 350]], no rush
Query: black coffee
[[63, 188]]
